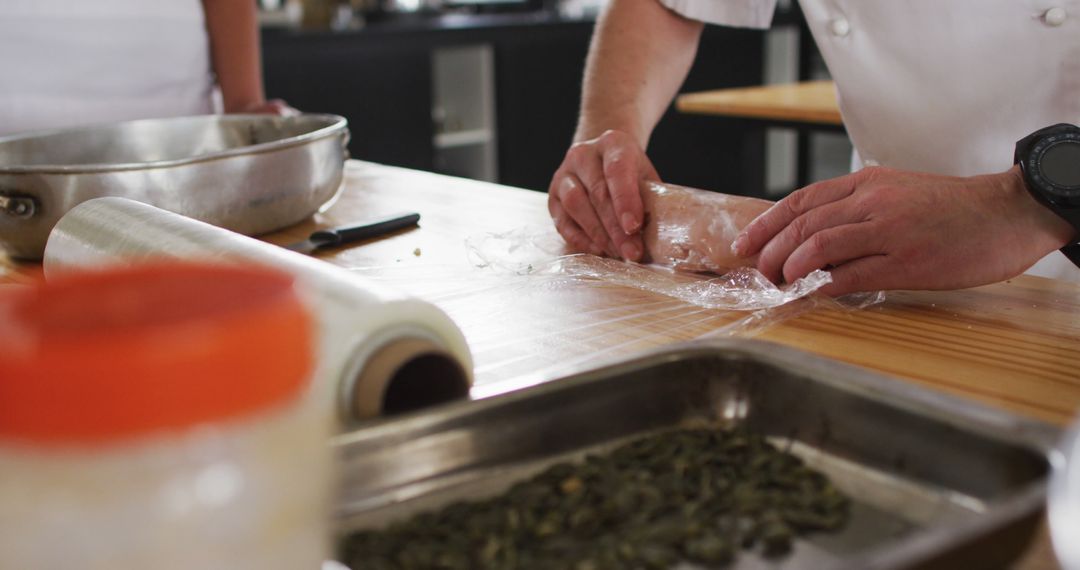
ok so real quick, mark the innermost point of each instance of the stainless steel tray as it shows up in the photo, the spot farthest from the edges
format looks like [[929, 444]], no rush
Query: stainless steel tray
[[937, 482], [248, 173]]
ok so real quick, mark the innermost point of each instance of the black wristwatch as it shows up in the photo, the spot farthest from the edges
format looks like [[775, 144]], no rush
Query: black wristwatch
[[1050, 161]]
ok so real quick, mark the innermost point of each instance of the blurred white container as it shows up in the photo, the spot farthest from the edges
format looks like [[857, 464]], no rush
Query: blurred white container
[[1064, 500], [153, 417]]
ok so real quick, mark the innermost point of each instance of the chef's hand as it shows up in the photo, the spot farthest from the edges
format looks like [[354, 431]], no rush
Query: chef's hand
[[270, 107], [887, 229], [595, 196]]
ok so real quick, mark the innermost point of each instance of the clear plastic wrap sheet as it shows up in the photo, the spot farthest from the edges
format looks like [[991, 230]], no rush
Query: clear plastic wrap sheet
[[539, 251], [532, 313]]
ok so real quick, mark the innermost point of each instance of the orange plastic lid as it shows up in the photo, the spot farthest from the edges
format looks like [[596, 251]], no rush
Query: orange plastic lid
[[100, 356]]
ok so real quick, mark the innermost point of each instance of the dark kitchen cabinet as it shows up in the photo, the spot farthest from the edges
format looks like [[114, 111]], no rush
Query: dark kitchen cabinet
[[383, 87]]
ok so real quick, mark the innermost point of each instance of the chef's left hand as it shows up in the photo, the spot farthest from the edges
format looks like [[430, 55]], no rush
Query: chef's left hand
[[881, 228]]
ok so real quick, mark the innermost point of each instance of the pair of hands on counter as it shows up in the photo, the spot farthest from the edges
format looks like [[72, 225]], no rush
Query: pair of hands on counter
[[875, 229]]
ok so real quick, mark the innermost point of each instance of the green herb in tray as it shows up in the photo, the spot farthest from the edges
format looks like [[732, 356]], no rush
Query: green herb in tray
[[696, 495]]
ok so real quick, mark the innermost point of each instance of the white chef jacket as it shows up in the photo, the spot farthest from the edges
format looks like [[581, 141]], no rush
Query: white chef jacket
[[75, 62], [941, 86]]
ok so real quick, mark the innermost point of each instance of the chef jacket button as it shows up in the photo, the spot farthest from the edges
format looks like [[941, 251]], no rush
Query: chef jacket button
[[1055, 16], [840, 27]]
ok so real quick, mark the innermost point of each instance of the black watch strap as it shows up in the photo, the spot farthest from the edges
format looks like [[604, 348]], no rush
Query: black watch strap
[[1071, 215], [1063, 200]]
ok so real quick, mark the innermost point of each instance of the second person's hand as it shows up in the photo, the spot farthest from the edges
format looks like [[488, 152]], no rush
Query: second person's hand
[[595, 196]]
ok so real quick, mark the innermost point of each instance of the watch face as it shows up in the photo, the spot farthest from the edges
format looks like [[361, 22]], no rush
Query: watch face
[[1060, 164], [1055, 166]]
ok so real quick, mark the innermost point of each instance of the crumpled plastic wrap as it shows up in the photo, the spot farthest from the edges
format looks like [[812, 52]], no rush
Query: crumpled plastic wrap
[[540, 251]]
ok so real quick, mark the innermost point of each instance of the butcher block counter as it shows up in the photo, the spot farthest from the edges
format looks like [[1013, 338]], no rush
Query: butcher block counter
[[1013, 345]]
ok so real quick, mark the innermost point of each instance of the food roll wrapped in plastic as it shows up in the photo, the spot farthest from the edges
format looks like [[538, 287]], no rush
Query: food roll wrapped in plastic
[[692, 230]]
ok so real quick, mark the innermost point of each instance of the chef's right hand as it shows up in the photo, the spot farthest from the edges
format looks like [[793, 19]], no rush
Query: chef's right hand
[[595, 196], [270, 107]]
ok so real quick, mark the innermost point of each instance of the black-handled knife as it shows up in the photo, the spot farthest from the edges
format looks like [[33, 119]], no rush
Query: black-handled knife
[[341, 235]]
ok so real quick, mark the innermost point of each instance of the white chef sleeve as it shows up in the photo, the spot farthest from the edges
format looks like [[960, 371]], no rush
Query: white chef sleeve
[[734, 13]]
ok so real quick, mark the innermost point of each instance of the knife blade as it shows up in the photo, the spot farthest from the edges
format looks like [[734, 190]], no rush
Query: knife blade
[[340, 235]]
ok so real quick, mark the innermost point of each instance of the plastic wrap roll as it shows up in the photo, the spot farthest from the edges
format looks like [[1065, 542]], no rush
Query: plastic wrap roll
[[379, 350]]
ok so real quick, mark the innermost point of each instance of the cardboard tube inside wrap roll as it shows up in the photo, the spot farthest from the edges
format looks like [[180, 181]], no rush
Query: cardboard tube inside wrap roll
[[379, 350]]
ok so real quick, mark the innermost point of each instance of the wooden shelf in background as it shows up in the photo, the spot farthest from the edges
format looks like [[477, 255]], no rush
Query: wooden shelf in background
[[806, 102]]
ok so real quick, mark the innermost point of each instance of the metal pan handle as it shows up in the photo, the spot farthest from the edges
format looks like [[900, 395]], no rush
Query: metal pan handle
[[18, 205]]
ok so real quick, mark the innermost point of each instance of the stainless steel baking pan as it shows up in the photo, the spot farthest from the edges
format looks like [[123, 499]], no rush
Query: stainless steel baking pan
[[937, 482], [248, 173]]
